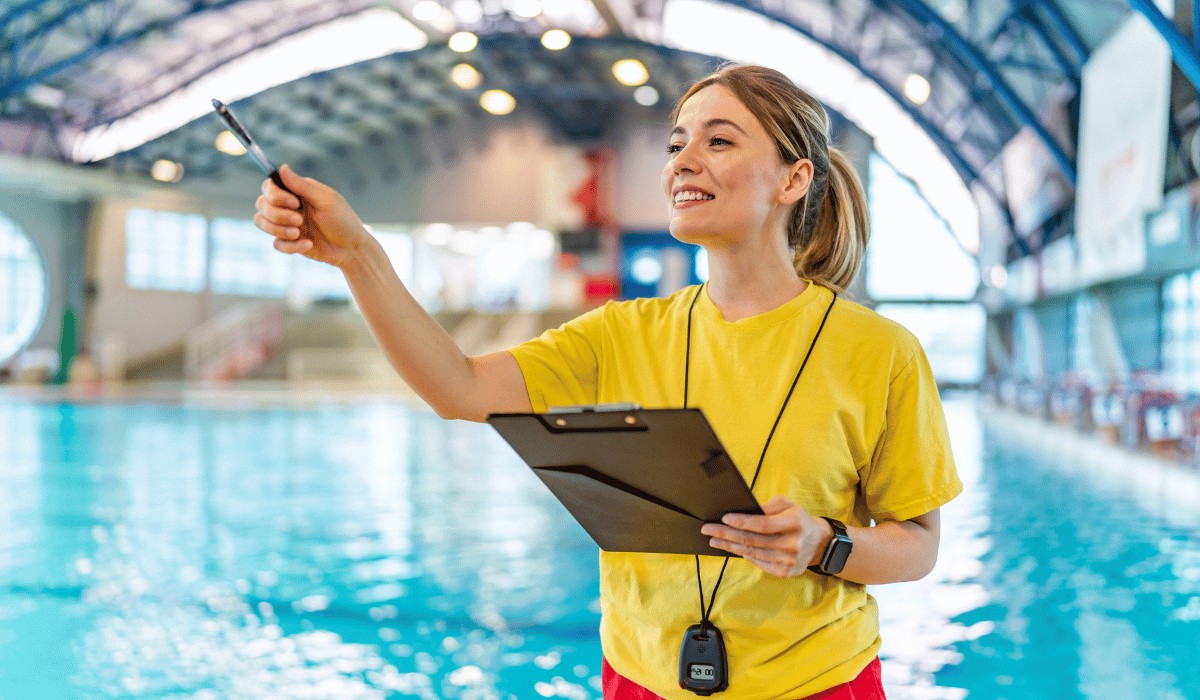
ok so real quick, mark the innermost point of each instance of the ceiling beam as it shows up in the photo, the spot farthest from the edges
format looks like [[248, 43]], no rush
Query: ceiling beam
[[604, 7], [973, 59]]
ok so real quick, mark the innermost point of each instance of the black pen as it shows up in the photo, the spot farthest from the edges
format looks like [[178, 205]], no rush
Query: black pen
[[252, 148]]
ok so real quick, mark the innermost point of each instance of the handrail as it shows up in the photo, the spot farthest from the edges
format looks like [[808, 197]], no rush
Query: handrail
[[233, 343]]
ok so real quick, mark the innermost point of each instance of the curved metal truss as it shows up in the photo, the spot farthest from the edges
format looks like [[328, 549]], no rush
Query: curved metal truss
[[992, 65], [404, 108]]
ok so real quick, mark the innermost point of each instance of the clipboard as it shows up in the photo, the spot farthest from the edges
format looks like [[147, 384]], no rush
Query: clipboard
[[638, 480]]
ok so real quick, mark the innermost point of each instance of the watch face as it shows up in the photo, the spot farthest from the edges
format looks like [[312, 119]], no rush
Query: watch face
[[839, 552]]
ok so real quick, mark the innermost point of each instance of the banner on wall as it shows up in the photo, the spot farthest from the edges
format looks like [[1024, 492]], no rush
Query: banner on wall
[[1125, 105]]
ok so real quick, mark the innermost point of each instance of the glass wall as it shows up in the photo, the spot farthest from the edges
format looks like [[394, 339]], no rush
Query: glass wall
[[245, 262], [491, 268], [1181, 331], [22, 289], [165, 250], [1084, 312], [912, 253], [951, 335], [913, 261]]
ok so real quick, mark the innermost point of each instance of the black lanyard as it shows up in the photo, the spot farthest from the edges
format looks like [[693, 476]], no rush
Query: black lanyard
[[706, 612]]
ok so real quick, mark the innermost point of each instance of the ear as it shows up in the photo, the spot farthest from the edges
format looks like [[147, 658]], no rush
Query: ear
[[799, 178]]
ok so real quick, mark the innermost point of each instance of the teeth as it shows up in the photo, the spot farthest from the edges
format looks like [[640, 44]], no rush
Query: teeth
[[691, 196]]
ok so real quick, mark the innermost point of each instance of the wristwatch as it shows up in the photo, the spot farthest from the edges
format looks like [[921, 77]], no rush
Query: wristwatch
[[836, 552]]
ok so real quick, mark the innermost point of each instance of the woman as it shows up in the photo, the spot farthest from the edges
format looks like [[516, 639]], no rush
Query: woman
[[829, 410]]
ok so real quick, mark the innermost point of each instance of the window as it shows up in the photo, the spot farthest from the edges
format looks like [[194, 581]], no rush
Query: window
[[489, 268], [22, 289], [245, 261], [398, 246], [316, 280], [912, 254], [165, 250], [950, 334], [1083, 354], [1181, 331]]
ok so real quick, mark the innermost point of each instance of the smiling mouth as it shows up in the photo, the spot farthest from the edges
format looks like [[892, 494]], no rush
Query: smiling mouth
[[692, 196]]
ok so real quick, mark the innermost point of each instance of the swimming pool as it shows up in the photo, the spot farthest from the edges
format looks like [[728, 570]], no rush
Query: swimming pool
[[370, 549]]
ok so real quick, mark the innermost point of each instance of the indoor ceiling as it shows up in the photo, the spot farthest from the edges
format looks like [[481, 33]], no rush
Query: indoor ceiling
[[68, 68]]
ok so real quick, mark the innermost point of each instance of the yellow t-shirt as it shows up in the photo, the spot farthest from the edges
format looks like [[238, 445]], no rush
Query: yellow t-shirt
[[863, 438]]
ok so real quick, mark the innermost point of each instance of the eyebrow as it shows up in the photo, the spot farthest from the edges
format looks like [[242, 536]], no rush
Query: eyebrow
[[711, 123]]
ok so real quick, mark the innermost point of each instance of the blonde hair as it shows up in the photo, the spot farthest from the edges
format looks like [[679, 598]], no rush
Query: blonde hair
[[828, 228]]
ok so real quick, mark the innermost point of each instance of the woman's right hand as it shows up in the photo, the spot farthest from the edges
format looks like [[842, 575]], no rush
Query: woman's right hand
[[326, 229]]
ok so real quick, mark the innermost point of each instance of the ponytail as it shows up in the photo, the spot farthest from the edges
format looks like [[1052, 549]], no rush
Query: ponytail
[[828, 246]]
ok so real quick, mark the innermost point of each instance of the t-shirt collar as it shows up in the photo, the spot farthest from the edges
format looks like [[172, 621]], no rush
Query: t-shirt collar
[[706, 309]]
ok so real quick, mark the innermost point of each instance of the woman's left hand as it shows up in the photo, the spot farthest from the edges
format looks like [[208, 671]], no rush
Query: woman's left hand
[[783, 542]]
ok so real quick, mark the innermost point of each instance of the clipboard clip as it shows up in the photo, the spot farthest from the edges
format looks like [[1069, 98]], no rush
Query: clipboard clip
[[594, 418], [596, 408]]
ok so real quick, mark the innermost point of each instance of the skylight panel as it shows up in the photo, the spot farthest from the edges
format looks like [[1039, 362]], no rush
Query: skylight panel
[[342, 42]]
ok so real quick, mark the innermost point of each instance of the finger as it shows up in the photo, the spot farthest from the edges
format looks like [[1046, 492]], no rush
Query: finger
[[290, 247], [769, 556], [281, 217], [777, 505], [277, 196], [288, 233], [784, 543], [265, 204], [305, 188], [766, 524], [732, 534]]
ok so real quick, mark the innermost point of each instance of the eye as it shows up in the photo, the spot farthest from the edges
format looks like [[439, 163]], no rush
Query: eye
[[674, 148], [718, 141]]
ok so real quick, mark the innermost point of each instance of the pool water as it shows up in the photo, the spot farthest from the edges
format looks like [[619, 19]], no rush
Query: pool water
[[375, 550]]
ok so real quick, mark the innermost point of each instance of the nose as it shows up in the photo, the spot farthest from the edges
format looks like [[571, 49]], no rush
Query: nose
[[686, 160]]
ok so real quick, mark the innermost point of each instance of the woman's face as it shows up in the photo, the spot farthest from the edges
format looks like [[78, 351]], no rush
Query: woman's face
[[724, 181]]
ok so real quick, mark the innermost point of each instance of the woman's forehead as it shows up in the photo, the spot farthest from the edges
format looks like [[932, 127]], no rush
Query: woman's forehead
[[714, 103]]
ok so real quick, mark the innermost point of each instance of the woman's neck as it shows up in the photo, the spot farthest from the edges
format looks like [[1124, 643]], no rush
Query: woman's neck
[[744, 282]]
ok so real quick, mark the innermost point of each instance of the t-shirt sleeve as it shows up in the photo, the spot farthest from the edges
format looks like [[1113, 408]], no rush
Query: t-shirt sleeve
[[562, 366], [912, 471]]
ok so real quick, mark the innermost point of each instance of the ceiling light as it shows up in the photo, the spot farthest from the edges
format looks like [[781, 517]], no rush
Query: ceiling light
[[463, 42], [556, 40], [166, 171], [497, 102], [445, 22], [527, 8], [467, 11], [426, 10], [917, 89], [228, 143], [465, 76], [646, 268], [631, 72], [46, 96], [646, 96]]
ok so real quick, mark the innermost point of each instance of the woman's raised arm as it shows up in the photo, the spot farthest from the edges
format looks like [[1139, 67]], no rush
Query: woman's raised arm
[[327, 229]]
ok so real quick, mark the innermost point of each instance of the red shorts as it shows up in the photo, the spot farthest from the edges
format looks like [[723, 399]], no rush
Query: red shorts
[[868, 685]]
